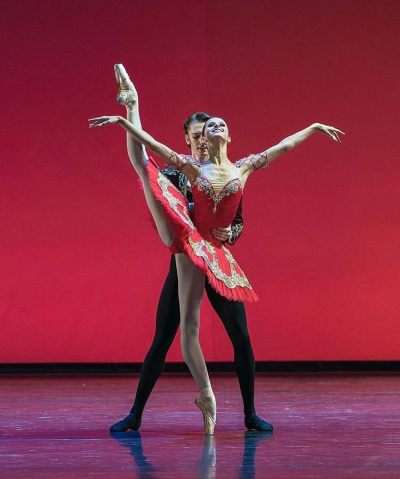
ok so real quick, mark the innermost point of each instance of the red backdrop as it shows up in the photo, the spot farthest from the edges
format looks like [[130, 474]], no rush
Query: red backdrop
[[82, 267]]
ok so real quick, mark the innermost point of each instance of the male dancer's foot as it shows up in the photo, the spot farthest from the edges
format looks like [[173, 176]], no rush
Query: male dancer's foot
[[130, 423], [255, 423]]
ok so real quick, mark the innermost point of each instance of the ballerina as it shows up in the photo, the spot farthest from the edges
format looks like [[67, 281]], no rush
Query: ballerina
[[217, 188]]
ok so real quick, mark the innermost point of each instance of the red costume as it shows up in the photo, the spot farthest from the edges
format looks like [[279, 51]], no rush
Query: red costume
[[214, 207]]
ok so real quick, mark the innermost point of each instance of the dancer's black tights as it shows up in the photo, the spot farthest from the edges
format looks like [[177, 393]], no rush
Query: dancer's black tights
[[233, 317]]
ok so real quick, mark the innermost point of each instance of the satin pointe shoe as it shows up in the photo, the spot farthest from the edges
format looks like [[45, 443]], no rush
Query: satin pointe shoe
[[208, 407], [127, 94]]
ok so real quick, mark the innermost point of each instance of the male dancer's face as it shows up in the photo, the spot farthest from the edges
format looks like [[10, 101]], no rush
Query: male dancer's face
[[195, 141]]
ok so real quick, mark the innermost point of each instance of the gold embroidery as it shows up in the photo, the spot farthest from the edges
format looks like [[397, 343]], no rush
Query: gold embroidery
[[257, 161], [230, 188], [204, 249], [173, 201]]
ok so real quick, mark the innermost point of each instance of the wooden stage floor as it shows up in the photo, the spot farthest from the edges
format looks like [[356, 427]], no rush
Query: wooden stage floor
[[326, 426]]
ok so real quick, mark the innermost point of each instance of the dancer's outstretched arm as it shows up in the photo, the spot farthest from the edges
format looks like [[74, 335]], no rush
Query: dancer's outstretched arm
[[163, 151], [254, 162]]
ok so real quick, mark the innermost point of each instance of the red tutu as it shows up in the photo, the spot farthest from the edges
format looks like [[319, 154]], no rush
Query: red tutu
[[208, 254]]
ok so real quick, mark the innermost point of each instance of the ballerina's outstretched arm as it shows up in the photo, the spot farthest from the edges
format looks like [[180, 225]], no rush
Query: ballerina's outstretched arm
[[254, 162], [163, 151], [139, 163]]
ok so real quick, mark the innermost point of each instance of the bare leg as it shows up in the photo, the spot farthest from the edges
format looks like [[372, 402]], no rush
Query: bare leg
[[138, 157], [191, 288]]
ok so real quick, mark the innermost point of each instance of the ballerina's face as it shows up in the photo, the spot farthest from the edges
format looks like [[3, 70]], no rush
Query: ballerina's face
[[216, 128]]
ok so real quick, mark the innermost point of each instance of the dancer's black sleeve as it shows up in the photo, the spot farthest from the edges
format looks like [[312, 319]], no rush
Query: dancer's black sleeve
[[237, 225]]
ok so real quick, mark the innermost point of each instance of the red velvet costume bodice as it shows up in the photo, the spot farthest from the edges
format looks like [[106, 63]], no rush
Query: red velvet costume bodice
[[213, 208]]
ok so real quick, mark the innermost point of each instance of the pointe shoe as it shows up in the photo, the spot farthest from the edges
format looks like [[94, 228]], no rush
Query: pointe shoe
[[208, 407], [127, 94]]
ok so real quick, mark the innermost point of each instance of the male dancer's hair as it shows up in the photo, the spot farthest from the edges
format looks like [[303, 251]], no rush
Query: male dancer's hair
[[199, 116]]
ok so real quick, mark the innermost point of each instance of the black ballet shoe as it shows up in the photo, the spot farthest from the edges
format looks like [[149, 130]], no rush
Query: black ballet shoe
[[255, 423], [129, 423]]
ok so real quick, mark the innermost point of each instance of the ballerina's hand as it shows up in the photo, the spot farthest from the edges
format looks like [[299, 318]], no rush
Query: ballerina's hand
[[330, 131], [103, 121]]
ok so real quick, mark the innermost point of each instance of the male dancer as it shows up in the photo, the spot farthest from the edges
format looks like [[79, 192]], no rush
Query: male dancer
[[231, 313]]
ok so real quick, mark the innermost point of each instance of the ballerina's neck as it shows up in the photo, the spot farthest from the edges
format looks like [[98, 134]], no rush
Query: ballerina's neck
[[219, 157]]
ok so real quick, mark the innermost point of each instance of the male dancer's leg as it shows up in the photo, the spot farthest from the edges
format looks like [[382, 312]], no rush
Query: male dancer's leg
[[167, 324], [233, 317]]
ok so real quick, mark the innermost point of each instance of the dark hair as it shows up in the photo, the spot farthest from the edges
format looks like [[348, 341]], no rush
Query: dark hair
[[199, 116]]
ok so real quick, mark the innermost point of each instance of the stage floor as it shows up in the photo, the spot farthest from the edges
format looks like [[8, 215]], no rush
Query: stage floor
[[326, 426]]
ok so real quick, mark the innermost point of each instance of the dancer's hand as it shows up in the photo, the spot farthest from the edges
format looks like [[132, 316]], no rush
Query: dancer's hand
[[222, 234], [103, 121], [329, 130]]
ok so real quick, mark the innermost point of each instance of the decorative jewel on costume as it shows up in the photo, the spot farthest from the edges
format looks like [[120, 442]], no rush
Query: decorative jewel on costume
[[257, 161], [232, 278], [230, 188]]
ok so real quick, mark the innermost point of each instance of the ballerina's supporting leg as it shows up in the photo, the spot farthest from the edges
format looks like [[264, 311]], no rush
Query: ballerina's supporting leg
[[191, 288]]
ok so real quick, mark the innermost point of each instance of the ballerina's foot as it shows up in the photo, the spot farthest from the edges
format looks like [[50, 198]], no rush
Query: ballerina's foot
[[255, 423], [127, 94], [129, 423], [208, 407]]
